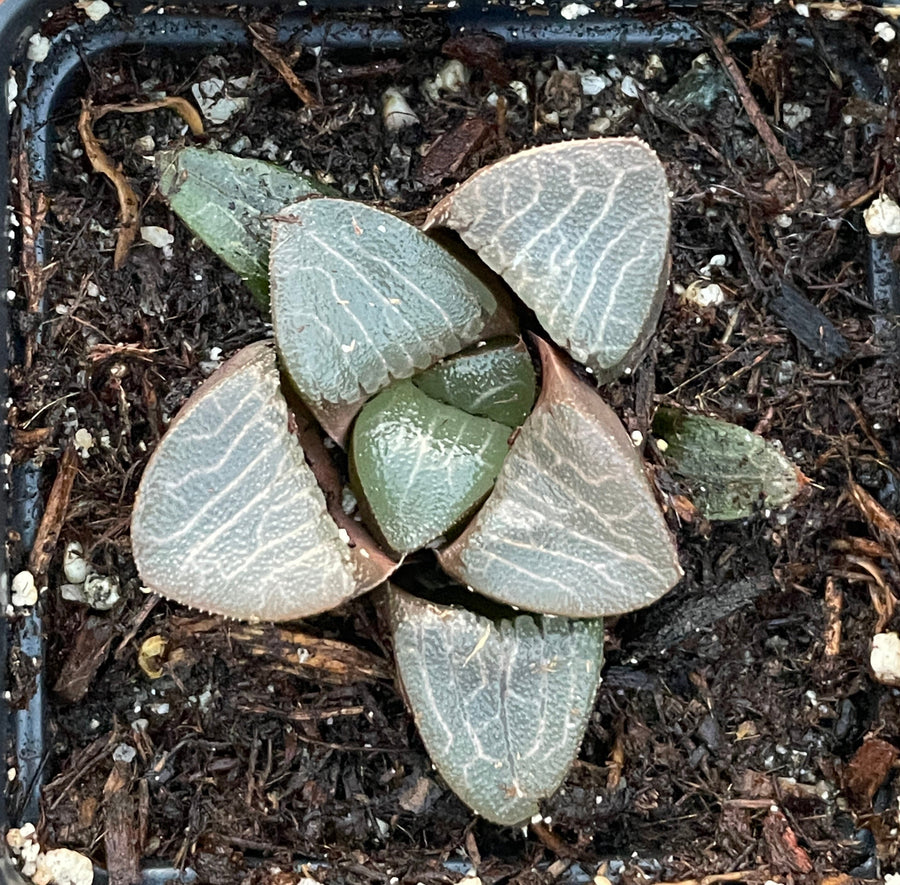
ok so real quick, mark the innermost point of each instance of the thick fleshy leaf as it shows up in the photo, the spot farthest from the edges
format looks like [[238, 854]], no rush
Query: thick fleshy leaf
[[423, 465], [502, 707], [580, 231], [572, 527], [361, 298], [228, 202], [495, 381], [229, 518], [730, 471]]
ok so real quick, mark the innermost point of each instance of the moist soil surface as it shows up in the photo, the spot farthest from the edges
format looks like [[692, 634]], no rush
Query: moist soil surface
[[739, 731]]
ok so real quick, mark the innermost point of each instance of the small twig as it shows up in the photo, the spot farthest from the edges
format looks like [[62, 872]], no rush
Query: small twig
[[883, 600], [834, 604], [304, 715], [34, 274], [550, 840], [121, 835], [865, 427], [887, 11], [719, 877], [756, 115], [129, 205], [877, 517], [746, 256], [655, 109], [136, 624], [181, 106], [104, 351], [54, 515], [263, 44], [708, 368], [49, 405]]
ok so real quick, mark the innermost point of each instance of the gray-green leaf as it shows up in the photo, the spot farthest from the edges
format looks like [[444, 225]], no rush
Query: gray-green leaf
[[229, 518], [572, 526], [423, 465], [729, 470], [502, 707], [228, 202], [495, 381], [360, 298], [580, 231]]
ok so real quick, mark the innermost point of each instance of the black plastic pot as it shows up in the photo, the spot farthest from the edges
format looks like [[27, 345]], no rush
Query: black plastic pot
[[345, 25]]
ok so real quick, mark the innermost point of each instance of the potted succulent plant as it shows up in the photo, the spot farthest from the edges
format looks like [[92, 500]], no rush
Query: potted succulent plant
[[380, 330], [426, 398]]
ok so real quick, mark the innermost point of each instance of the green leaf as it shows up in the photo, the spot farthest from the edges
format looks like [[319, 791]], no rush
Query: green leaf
[[229, 518], [361, 298], [494, 381], [423, 465], [580, 231], [729, 470], [572, 527], [501, 706], [228, 202]]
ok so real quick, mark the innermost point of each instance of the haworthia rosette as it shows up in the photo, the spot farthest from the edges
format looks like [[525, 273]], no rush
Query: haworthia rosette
[[422, 465], [501, 707], [228, 202], [495, 380], [730, 471], [229, 517], [580, 231], [361, 298], [571, 527]]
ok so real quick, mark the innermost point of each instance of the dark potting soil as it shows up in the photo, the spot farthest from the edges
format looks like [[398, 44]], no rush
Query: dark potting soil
[[733, 734]]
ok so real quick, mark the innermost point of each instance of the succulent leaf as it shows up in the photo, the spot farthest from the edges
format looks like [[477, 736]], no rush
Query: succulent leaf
[[423, 465], [501, 706], [361, 298], [580, 231], [228, 202], [229, 517], [571, 527], [728, 469], [495, 381]]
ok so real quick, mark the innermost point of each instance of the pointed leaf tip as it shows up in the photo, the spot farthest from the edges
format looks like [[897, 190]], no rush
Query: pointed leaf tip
[[501, 707]]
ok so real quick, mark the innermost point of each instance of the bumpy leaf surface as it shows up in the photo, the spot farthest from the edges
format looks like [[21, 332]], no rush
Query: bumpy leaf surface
[[228, 202], [580, 231], [423, 465], [495, 381], [501, 707], [731, 472], [572, 526], [229, 517], [360, 298]]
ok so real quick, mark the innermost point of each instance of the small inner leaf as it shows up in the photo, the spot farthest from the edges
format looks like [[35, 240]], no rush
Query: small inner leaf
[[729, 470], [360, 298], [580, 231], [495, 381], [501, 706], [423, 465], [572, 526], [228, 202], [229, 517]]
